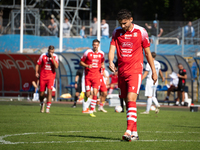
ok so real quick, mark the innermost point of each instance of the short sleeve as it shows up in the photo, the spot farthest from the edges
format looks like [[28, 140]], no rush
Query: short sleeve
[[113, 38], [39, 61], [83, 58], [145, 39], [147, 68]]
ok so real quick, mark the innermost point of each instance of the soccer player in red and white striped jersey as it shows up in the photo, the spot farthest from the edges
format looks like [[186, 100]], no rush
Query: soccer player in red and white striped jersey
[[130, 40], [92, 60], [48, 62]]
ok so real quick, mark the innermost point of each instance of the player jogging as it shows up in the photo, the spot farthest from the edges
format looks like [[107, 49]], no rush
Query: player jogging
[[92, 60], [49, 62], [150, 89], [130, 40]]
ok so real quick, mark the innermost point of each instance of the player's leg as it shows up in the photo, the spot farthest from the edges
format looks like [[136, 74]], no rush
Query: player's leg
[[93, 102], [111, 89], [50, 85], [148, 93], [41, 97], [133, 86], [75, 99], [49, 98], [102, 101]]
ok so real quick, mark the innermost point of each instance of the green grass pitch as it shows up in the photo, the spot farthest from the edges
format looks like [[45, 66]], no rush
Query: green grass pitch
[[22, 127]]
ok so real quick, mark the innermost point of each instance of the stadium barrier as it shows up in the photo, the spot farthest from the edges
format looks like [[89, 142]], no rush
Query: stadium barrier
[[17, 71]]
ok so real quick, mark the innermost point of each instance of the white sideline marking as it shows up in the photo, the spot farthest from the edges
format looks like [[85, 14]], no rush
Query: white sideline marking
[[2, 141]]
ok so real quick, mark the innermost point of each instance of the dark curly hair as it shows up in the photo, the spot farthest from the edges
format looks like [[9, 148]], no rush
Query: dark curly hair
[[124, 14]]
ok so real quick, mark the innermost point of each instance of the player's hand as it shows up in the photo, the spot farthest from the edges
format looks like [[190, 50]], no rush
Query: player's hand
[[51, 54], [154, 77], [37, 75], [90, 66], [112, 66], [163, 79]]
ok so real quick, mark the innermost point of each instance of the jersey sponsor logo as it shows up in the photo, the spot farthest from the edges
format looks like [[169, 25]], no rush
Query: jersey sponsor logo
[[127, 44]]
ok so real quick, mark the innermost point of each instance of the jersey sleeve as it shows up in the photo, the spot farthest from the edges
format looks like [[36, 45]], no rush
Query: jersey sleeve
[[145, 39], [56, 59], [113, 38], [184, 72], [39, 61], [103, 58], [83, 58], [147, 68]]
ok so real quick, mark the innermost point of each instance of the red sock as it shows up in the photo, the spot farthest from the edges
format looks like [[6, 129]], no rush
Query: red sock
[[48, 105], [131, 117], [93, 103]]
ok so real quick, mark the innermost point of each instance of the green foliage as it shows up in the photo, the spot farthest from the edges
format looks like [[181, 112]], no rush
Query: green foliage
[[68, 128]]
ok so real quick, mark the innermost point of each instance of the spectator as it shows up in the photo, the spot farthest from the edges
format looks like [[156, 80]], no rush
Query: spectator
[[53, 28], [104, 29], [78, 87], [182, 76], [66, 28], [189, 33], [93, 29], [36, 85], [1, 21], [173, 85], [154, 31], [49, 63], [82, 32]]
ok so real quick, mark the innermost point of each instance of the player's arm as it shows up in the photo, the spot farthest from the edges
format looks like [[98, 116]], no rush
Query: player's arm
[[183, 77], [36, 70], [111, 55], [145, 74], [85, 65], [151, 63], [161, 74], [149, 27], [161, 31], [76, 81], [54, 61]]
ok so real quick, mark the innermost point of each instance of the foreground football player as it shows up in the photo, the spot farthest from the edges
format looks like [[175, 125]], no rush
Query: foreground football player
[[48, 62], [130, 40]]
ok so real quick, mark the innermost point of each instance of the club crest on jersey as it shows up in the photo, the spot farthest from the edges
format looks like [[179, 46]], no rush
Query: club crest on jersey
[[99, 56], [133, 87], [91, 55], [127, 44], [135, 34]]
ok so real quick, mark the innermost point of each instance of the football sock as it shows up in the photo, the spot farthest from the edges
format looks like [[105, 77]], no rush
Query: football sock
[[84, 103], [131, 117], [48, 105], [155, 101], [75, 99], [122, 103], [149, 103], [88, 103], [93, 103], [101, 104], [110, 90]]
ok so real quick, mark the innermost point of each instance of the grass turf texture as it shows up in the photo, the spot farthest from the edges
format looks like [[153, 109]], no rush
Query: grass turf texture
[[22, 126]]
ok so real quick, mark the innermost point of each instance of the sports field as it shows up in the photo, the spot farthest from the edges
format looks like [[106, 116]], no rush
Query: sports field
[[22, 126]]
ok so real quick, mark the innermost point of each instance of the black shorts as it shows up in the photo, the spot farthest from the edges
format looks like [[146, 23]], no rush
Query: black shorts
[[181, 87], [79, 88]]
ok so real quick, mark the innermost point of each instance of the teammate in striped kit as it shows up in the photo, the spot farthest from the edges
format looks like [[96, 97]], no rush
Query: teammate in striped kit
[[130, 40], [150, 89], [92, 60]]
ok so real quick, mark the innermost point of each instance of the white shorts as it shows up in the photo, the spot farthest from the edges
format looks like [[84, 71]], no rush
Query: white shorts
[[150, 90]]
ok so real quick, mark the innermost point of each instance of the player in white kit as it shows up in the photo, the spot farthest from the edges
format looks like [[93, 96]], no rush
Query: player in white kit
[[150, 89]]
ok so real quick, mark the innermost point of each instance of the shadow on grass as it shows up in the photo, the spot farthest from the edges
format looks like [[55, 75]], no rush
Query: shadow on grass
[[85, 136]]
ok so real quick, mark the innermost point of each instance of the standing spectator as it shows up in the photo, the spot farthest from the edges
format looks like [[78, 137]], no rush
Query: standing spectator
[[48, 62], [92, 60], [189, 33], [155, 32], [1, 21], [53, 28], [66, 28], [130, 65], [182, 76], [104, 29], [78, 87], [82, 32], [150, 89], [93, 29]]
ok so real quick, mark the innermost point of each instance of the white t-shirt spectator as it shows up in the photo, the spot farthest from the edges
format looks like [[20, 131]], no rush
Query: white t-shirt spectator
[[66, 29], [105, 29]]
